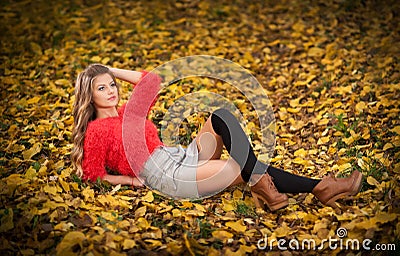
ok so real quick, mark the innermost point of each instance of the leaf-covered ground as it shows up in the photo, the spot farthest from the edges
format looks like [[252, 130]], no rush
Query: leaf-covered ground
[[330, 68]]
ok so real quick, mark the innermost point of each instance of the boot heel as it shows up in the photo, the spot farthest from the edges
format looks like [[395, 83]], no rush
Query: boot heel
[[357, 185], [265, 193], [261, 203], [332, 204], [257, 200]]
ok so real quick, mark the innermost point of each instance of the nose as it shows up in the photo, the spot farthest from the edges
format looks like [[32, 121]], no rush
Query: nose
[[110, 90]]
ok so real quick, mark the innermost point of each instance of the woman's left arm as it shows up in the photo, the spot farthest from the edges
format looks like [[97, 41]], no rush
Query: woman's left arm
[[129, 76], [123, 180]]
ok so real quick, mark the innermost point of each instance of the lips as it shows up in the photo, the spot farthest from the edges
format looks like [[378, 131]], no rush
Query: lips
[[112, 98]]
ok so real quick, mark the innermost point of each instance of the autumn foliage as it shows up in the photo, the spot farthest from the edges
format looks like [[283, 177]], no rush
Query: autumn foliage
[[330, 68]]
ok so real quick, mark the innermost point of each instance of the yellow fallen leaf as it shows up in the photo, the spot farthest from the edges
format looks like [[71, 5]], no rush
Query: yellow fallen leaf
[[293, 110], [199, 207], [277, 41], [68, 243], [63, 226], [110, 216], [301, 161], [63, 82], [64, 185], [28, 154], [152, 243], [361, 163], [367, 224], [348, 140], [194, 212], [57, 90], [142, 223], [6, 219], [128, 244], [148, 197], [36, 48], [388, 146], [264, 157], [222, 235], [396, 130], [372, 181], [52, 190], [284, 230], [30, 173], [141, 211], [105, 60], [95, 59], [343, 89], [344, 167], [384, 217], [237, 194], [88, 194], [323, 121], [323, 140], [300, 153], [227, 205], [237, 225], [360, 106], [176, 213], [294, 103], [123, 224], [187, 204], [33, 100], [242, 251], [315, 52], [366, 134]]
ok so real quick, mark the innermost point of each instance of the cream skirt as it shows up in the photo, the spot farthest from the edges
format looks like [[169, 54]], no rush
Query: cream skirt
[[172, 171]]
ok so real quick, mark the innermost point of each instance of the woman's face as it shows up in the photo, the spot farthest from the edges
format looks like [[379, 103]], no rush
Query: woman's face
[[105, 92]]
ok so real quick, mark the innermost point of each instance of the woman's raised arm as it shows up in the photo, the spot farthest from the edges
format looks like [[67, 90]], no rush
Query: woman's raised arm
[[129, 76]]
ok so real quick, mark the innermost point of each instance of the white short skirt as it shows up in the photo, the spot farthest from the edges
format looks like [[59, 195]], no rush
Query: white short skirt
[[171, 171]]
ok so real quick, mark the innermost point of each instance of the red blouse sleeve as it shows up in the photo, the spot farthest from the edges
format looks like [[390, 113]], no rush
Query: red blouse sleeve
[[146, 91], [95, 151], [121, 110]]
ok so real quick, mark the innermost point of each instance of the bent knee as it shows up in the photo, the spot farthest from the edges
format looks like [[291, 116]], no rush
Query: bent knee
[[223, 113]]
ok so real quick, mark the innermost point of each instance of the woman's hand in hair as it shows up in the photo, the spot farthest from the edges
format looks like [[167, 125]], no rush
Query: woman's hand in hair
[[129, 76]]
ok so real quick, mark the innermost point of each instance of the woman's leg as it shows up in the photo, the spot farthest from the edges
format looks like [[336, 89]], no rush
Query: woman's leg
[[215, 175], [225, 129], [208, 142]]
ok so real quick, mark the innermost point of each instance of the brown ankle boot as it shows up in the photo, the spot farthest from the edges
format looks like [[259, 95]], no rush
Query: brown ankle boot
[[330, 189], [265, 192]]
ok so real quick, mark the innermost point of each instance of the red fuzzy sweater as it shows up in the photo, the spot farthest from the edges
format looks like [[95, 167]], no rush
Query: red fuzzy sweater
[[103, 147]]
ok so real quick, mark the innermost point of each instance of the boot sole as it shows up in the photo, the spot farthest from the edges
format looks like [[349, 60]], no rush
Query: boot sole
[[260, 203]]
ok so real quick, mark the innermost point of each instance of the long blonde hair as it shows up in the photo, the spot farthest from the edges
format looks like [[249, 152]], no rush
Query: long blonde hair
[[84, 110]]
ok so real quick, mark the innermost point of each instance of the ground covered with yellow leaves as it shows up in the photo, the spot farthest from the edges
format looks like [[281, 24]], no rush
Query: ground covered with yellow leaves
[[330, 68]]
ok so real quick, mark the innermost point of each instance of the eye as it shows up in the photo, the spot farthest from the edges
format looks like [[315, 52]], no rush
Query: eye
[[100, 88], [113, 84]]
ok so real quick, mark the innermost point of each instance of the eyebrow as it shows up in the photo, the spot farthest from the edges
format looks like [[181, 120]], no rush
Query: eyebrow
[[104, 83]]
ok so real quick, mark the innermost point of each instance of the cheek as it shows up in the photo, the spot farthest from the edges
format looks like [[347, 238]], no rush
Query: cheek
[[97, 96]]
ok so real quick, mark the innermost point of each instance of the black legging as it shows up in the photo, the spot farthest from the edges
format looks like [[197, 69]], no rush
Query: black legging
[[235, 140]]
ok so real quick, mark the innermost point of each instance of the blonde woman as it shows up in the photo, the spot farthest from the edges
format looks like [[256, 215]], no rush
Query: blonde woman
[[190, 173]]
